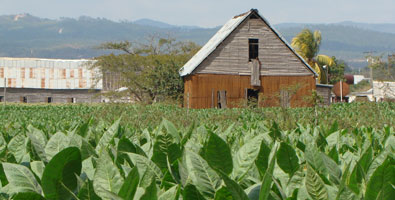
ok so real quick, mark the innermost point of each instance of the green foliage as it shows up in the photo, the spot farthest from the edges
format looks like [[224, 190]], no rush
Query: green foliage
[[59, 177], [149, 71], [256, 159]]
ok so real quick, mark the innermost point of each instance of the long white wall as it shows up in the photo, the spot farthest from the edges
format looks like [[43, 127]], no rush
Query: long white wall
[[48, 73]]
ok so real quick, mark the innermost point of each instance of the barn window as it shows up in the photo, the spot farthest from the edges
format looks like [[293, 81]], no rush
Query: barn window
[[253, 45], [23, 99], [49, 100], [71, 100], [1, 98]]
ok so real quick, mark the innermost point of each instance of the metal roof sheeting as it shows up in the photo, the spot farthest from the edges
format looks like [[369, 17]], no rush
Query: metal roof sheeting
[[48, 73], [221, 35]]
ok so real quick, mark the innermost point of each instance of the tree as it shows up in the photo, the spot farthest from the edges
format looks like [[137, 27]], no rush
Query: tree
[[307, 44], [147, 72], [336, 71]]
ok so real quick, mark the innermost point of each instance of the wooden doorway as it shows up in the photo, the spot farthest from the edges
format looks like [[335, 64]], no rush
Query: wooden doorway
[[252, 96]]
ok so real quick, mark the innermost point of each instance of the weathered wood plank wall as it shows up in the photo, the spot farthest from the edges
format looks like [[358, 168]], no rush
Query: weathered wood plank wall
[[201, 86], [231, 56]]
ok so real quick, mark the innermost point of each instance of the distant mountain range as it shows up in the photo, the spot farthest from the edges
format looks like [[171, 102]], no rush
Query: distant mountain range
[[29, 36]]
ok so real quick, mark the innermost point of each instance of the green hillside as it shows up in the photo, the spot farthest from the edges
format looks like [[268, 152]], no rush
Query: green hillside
[[30, 36]]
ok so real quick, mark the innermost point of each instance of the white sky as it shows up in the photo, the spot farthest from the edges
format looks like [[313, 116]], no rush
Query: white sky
[[209, 13]]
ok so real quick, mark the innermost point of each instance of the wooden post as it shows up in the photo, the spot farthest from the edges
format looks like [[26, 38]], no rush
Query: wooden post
[[5, 89], [212, 98], [187, 102], [341, 91]]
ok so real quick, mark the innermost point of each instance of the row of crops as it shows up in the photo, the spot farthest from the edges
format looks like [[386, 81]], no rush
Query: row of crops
[[86, 157]]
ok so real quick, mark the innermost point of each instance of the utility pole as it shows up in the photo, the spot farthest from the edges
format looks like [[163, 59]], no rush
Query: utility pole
[[370, 60], [5, 89]]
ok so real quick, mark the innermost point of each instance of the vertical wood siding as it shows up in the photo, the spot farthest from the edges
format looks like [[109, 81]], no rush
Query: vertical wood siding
[[201, 86], [231, 56]]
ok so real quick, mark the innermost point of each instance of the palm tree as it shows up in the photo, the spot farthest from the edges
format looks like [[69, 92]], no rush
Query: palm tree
[[307, 45]]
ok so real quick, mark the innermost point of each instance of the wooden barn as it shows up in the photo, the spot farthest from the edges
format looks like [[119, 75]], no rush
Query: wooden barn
[[247, 62]]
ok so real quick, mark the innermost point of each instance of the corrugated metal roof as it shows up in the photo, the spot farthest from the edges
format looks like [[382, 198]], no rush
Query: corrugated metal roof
[[48, 73], [221, 35], [324, 85]]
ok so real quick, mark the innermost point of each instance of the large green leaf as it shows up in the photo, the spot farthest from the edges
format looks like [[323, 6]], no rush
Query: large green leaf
[[245, 157], [85, 147], [151, 192], [38, 168], [147, 169], [267, 178], [217, 154], [263, 158], [191, 193], [55, 144], [3, 145], [38, 141], [18, 147], [287, 159], [20, 179], [203, 177], [107, 177], [172, 130], [235, 189], [171, 194], [59, 177], [107, 137], [87, 192], [360, 170], [28, 195], [381, 183], [130, 184], [223, 194], [164, 148], [315, 186], [343, 191]]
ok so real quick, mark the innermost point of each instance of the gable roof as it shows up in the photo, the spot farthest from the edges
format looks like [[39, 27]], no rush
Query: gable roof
[[222, 34]]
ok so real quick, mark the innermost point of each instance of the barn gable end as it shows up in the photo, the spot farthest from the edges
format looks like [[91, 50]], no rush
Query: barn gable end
[[227, 51]]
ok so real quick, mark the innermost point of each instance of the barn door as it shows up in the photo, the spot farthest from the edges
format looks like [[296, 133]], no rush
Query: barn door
[[222, 99]]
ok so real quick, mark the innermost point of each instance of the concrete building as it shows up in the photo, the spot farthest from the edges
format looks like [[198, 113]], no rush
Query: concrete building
[[35, 80]]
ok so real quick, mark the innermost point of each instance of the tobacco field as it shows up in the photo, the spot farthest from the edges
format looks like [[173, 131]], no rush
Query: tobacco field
[[344, 151]]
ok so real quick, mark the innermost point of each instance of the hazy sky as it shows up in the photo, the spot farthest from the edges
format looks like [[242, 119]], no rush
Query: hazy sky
[[209, 13]]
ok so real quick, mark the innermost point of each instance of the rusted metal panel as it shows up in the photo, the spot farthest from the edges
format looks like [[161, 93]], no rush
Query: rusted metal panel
[[63, 73], [31, 74], [80, 73], [43, 83], [23, 72], [1, 72], [81, 83]]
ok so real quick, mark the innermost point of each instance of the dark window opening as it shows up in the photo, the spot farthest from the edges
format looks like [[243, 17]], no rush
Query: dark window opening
[[253, 16], [253, 45], [221, 99], [49, 99], [1, 98], [23, 99], [252, 97], [72, 100]]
